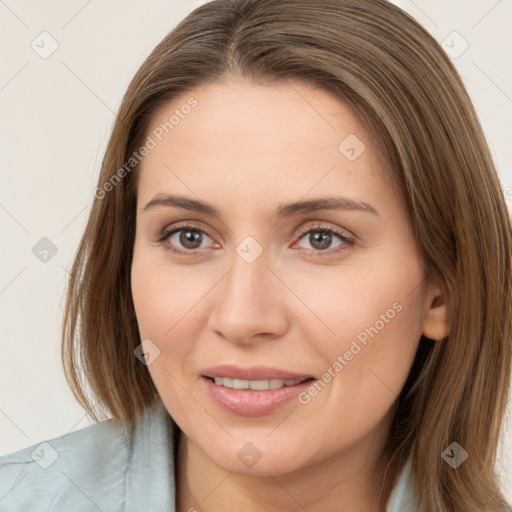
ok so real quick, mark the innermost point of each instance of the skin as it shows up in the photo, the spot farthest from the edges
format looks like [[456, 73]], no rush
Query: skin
[[245, 149]]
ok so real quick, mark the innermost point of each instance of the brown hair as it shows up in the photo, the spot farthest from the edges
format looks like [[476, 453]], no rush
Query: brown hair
[[395, 75]]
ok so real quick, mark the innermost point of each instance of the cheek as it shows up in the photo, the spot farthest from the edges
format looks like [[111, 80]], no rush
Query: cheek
[[366, 329], [363, 303], [167, 304], [162, 296], [163, 302]]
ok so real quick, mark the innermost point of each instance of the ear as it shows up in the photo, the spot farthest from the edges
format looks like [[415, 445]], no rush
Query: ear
[[435, 321]]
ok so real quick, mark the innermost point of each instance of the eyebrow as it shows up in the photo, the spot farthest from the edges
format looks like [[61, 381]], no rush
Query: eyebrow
[[282, 211]]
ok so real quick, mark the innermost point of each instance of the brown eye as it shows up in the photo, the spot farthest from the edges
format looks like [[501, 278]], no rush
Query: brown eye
[[183, 238], [322, 239], [187, 238], [190, 239]]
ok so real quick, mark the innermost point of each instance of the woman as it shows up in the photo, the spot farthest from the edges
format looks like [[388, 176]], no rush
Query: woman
[[243, 370]]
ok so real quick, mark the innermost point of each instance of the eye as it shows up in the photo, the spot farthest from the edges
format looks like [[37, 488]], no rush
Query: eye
[[187, 239], [184, 239], [321, 239]]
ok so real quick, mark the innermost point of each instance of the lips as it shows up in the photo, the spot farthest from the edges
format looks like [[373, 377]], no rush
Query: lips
[[255, 390], [253, 373], [249, 402]]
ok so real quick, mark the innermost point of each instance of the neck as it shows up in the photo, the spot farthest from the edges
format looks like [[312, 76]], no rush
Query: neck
[[350, 481]]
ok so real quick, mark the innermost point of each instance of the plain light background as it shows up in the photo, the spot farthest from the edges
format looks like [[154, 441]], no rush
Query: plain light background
[[56, 115]]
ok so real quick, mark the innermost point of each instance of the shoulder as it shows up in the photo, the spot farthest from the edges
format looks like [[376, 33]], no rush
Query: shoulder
[[403, 498], [93, 468], [71, 465]]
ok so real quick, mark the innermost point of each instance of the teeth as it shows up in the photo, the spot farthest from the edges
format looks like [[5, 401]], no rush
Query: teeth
[[257, 385]]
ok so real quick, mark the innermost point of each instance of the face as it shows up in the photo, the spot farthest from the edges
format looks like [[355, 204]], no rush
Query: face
[[331, 292]]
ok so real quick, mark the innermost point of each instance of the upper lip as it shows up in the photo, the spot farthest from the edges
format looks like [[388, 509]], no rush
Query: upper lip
[[253, 373]]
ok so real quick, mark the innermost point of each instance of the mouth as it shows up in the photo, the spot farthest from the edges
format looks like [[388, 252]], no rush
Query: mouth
[[257, 385], [244, 401], [254, 391]]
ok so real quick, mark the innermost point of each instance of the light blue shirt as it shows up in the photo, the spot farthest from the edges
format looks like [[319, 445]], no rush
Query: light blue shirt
[[109, 468]]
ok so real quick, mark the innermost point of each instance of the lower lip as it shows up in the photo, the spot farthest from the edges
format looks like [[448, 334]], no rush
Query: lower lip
[[247, 402]]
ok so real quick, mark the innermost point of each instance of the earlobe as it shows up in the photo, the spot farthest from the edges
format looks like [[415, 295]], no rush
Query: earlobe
[[435, 321]]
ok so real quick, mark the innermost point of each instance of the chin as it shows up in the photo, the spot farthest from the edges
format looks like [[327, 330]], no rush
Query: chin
[[256, 459]]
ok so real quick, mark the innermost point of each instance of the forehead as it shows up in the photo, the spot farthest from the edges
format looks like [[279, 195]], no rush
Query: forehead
[[295, 114], [248, 139]]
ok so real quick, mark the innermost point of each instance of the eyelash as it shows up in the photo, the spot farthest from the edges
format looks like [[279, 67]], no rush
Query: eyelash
[[167, 232]]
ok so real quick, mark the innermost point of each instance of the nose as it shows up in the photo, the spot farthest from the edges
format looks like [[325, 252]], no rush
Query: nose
[[249, 303]]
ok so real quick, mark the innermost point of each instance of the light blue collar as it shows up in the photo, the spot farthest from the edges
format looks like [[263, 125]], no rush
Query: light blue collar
[[108, 466]]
